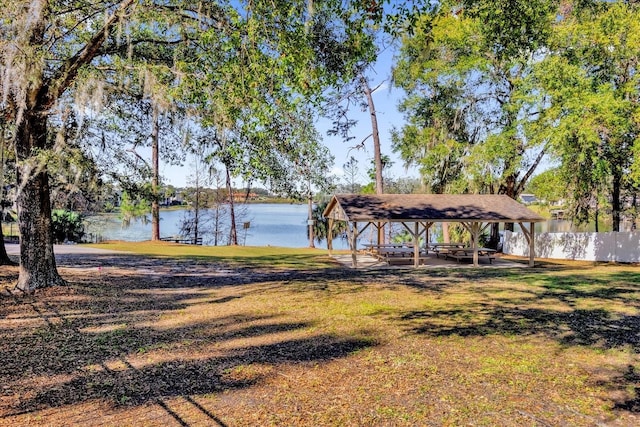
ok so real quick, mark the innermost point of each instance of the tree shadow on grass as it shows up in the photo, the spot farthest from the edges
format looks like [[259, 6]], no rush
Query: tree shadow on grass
[[629, 379], [73, 334], [594, 328], [147, 287], [195, 272], [591, 311], [79, 357], [178, 378], [66, 348], [278, 264], [502, 312]]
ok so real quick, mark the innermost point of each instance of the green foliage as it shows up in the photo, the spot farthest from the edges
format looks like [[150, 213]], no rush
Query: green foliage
[[386, 165], [459, 234], [240, 67], [495, 85], [74, 173], [321, 224], [512, 28], [68, 226], [549, 186], [307, 163], [470, 104], [591, 83], [132, 209], [252, 92], [404, 185], [370, 188], [405, 237], [351, 175]]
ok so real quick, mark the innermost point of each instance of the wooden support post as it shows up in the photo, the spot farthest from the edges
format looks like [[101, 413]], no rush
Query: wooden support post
[[427, 227], [427, 243], [529, 234], [354, 245], [532, 246], [416, 244], [475, 234], [380, 227], [474, 229], [330, 236]]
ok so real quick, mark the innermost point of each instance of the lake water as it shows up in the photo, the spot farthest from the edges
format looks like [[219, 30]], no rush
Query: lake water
[[270, 224]]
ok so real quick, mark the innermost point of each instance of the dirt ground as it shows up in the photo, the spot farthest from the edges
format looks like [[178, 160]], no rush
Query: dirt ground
[[136, 340]]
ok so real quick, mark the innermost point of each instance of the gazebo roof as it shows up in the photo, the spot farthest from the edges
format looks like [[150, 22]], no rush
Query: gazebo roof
[[428, 207]]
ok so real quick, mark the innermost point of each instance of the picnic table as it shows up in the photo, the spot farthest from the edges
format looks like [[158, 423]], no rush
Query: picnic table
[[393, 252], [446, 245], [443, 248], [376, 249], [374, 246], [458, 253]]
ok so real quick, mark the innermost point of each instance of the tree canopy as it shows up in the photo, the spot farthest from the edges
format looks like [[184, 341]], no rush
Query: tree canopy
[[469, 106], [494, 87], [235, 64], [592, 88]]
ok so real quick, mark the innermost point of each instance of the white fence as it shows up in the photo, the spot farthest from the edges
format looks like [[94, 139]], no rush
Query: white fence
[[613, 246]]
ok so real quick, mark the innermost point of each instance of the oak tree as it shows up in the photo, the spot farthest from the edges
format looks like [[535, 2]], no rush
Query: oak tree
[[53, 50], [592, 88]]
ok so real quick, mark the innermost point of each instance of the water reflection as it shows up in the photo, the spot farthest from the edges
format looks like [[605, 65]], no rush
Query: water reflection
[[269, 225]]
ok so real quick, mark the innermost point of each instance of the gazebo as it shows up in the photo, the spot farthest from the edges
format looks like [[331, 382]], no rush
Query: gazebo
[[418, 212]]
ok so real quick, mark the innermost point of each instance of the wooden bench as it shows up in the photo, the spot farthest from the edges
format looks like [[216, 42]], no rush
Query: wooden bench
[[405, 260], [182, 240]]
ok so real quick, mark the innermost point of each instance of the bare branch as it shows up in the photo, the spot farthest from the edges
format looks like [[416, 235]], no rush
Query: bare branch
[[80, 22], [360, 145], [377, 87], [531, 169], [138, 156]]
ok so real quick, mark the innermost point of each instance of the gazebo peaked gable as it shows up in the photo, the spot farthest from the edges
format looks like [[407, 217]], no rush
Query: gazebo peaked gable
[[428, 207]]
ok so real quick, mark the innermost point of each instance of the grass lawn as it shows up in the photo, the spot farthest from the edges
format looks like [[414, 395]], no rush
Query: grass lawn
[[201, 336], [237, 256]]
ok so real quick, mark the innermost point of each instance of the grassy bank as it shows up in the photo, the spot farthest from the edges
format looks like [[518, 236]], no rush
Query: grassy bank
[[255, 256]]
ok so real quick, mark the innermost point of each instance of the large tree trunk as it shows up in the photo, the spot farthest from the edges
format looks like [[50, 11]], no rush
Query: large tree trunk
[[233, 230], [494, 237], [509, 189], [310, 216], [37, 260], [377, 153], [155, 170]]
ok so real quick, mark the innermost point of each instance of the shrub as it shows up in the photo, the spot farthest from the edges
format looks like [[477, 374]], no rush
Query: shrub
[[67, 226]]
